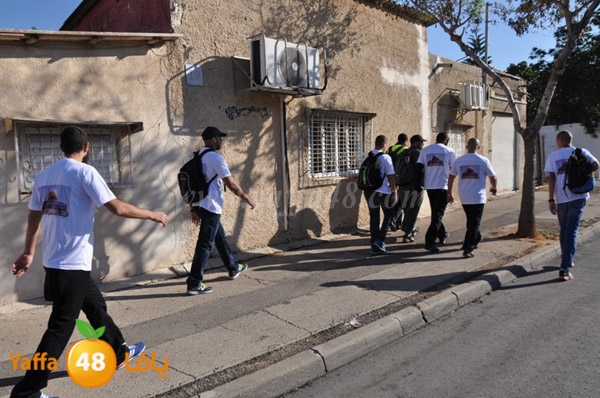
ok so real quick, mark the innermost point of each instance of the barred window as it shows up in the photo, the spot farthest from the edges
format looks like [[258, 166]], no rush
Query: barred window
[[37, 146], [335, 143]]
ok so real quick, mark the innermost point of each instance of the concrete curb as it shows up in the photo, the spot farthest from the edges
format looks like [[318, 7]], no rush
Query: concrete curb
[[294, 372]]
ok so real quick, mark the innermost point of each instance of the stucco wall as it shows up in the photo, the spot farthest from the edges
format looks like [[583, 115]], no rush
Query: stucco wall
[[112, 84], [376, 64]]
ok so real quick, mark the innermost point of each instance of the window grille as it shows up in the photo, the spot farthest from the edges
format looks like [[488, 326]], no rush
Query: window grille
[[335, 144], [37, 146]]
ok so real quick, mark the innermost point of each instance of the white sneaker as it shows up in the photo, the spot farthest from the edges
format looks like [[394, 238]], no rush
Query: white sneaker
[[48, 396]]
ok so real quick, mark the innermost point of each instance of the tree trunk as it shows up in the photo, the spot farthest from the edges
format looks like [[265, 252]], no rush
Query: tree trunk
[[527, 228]]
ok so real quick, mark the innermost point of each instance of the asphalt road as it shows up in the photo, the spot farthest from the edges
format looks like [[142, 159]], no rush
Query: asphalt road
[[535, 337]]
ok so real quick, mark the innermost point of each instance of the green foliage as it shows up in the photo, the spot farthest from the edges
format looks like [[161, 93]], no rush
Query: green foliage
[[577, 95], [477, 45]]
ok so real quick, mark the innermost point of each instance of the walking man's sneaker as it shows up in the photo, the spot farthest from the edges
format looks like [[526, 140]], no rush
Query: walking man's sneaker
[[468, 254], [42, 395], [432, 248], [235, 274], [565, 275], [444, 239], [200, 289], [408, 238], [134, 352], [379, 246]]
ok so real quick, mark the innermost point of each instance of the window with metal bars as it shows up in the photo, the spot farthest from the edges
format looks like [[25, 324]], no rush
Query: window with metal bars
[[37, 146], [335, 143]]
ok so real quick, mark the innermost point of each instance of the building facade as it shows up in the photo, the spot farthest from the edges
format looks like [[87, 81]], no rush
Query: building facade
[[301, 100]]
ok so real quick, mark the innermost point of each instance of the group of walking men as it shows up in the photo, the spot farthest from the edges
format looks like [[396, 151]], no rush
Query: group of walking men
[[67, 236], [433, 169], [436, 168]]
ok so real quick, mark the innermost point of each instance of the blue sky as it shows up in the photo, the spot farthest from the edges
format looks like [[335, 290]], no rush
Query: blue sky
[[504, 46]]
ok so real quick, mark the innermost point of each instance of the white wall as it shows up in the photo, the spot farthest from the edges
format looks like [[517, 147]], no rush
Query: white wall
[[580, 139]]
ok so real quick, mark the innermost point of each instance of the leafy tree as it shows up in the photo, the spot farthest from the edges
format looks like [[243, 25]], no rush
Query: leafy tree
[[455, 16], [577, 96], [477, 45]]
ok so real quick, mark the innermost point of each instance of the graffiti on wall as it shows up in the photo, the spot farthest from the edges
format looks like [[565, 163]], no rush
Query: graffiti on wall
[[234, 112]]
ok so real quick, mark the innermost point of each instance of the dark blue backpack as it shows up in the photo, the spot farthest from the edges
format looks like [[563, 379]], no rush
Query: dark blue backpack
[[580, 173]]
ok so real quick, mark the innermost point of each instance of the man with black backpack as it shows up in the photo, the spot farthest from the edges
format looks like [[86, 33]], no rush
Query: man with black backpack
[[377, 179], [207, 212], [568, 205]]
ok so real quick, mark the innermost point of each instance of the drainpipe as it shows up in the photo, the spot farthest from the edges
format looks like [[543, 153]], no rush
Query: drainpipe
[[285, 172]]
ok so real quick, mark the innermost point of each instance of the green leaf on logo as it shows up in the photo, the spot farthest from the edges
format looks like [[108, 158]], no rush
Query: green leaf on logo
[[99, 332], [85, 329]]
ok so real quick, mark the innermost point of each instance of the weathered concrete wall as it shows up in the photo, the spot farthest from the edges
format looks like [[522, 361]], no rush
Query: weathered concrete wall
[[376, 64], [112, 84]]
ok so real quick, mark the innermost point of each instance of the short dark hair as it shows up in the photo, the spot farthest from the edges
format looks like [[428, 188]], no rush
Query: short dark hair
[[72, 139], [441, 137], [565, 136], [380, 140], [402, 138]]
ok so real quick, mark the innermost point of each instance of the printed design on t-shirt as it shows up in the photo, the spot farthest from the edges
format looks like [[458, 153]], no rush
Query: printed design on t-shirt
[[561, 166], [435, 159], [469, 172], [52, 206]]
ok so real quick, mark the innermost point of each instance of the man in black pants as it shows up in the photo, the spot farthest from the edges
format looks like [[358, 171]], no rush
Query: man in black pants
[[62, 206], [437, 160]]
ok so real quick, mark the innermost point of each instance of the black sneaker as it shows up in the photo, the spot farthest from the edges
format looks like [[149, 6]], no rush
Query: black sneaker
[[565, 275], [444, 239], [432, 248], [468, 254], [200, 289], [408, 239], [235, 274]]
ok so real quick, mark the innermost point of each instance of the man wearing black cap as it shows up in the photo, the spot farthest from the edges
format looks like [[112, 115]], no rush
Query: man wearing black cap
[[410, 193], [207, 212]]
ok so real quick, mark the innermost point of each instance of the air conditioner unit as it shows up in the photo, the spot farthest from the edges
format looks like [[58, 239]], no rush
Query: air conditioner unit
[[473, 96], [278, 64]]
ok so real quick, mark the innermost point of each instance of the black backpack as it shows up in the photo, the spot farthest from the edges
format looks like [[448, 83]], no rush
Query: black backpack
[[404, 168], [579, 174], [192, 184], [370, 177]]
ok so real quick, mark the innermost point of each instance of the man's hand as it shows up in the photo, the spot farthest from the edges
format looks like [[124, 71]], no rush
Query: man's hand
[[22, 264], [552, 206]]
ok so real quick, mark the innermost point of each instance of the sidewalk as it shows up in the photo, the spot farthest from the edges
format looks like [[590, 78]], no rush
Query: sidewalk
[[312, 305]]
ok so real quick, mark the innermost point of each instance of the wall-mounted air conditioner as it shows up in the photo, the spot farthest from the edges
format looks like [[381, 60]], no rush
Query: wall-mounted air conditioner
[[279, 64], [473, 96]]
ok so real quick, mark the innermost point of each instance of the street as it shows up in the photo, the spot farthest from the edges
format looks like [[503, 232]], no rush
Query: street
[[535, 337]]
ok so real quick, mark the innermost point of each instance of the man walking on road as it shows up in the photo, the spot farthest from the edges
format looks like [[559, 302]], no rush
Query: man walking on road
[[566, 204], [410, 194], [385, 197], [395, 151], [437, 160], [63, 202], [207, 212], [472, 169]]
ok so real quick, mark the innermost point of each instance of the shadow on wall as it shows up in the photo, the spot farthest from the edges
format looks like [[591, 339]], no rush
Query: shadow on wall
[[345, 207]]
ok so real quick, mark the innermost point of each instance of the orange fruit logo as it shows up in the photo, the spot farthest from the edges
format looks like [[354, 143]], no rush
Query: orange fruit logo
[[91, 363]]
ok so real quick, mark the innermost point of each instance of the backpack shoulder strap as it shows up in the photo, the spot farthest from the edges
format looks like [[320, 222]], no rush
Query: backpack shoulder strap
[[200, 155]]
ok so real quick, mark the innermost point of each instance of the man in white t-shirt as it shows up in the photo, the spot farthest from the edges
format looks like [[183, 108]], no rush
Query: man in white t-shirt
[[436, 160], [567, 205], [385, 197], [63, 202], [207, 213], [472, 169]]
